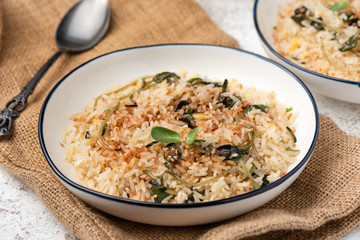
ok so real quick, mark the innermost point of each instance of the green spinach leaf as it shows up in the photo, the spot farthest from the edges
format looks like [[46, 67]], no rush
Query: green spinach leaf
[[350, 43], [159, 193]]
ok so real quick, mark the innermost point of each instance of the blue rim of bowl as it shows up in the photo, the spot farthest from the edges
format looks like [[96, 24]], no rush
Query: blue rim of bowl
[[255, 17], [77, 186]]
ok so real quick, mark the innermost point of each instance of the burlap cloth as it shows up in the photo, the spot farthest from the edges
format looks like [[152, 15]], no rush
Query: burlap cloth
[[322, 204]]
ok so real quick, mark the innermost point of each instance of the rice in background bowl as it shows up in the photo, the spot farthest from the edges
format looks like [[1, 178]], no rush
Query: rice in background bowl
[[315, 37], [266, 15]]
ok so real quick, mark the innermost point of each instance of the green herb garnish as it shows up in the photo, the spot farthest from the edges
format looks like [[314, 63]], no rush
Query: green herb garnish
[[155, 181], [265, 181], [318, 25], [248, 174], [200, 149], [160, 194], [292, 152], [247, 109], [227, 101], [150, 144], [338, 6], [181, 104], [300, 15], [152, 176], [191, 136], [235, 153], [289, 109], [190, 198], [303, 13], [104, 129], [350, 43], [225, 85], [188, 119], [262, 107], [196, 81], [168, 76], [292, 134], [165, 135], [192, 184], [197, 145]]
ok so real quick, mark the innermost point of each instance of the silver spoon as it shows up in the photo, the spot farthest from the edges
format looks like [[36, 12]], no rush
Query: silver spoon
[[80, 29]]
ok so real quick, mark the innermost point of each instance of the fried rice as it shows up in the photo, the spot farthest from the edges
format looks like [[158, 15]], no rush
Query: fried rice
[[180, 138], [321, 36]]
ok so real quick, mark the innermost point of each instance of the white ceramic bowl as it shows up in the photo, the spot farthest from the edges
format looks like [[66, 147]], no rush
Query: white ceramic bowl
[[265, 18], [88, 80]]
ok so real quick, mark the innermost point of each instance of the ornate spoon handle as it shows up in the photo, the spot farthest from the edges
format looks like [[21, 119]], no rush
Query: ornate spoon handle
[[17, 104]]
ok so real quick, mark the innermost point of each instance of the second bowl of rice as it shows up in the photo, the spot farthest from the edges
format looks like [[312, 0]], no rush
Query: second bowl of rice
[[317, 40]]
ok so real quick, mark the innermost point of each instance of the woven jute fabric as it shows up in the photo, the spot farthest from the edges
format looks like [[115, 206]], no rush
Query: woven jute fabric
[[323, 203]]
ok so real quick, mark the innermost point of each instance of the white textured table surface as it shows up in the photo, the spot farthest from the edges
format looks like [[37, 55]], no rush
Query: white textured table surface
[[22, 214]]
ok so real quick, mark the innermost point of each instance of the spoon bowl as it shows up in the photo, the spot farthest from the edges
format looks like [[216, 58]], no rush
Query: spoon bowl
[[80, 29]]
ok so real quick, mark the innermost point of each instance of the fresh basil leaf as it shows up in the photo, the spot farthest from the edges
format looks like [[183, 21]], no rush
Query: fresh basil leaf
[[338, 6], [165, 135], [191, 136]]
